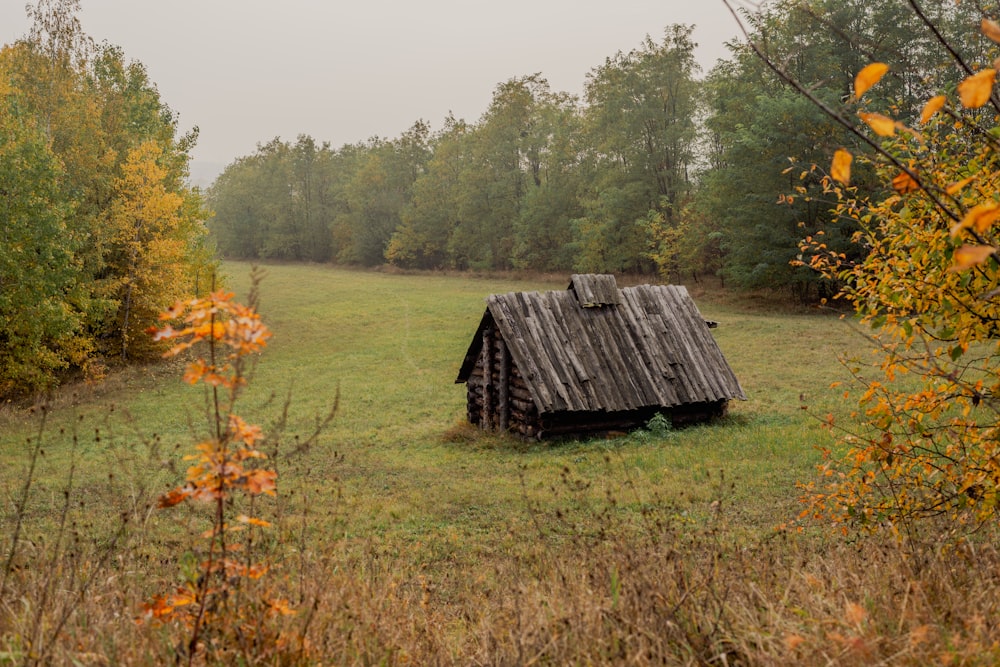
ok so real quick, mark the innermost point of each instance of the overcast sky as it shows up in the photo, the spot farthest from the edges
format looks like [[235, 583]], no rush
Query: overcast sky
[[246, 71]]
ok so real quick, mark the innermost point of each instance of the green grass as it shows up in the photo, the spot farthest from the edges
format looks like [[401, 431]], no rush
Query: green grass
[[391, 346]]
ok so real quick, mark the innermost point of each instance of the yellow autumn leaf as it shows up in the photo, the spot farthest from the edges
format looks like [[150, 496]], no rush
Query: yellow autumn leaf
[[971, 255], [840, 170], [958, 185], [883, 126], [991, 29], [980, 218], [975, 91], [932, 107], [182, 598], [868, 77]]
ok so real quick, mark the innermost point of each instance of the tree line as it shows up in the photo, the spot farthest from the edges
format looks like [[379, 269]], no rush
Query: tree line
[[538, 182], [99, 230], [653, 168]]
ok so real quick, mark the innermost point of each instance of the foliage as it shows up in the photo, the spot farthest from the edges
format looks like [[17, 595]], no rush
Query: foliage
[[640, 139], [378, 190], [762, 135], [429, 219], [305, 201], [658, 429], [652, 170], [37, 325], [101, 231], [687, 248], [928, 288]]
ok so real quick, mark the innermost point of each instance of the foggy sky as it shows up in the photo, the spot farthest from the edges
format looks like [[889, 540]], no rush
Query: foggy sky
[[246, 71]]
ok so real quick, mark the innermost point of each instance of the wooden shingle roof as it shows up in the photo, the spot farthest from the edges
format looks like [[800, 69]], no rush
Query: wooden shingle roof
[[595, 347], [595, 291]]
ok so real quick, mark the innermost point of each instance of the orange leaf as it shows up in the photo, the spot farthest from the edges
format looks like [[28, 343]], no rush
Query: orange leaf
[[904, 183], [883, 126], [975, 91], [280, 606], [991, 29], [173, 311], [195, 371], [166, 333], [980, 218], [182, 598], [932, 107], [172, 498], [855, 613], [257, 571], [261, 481], [986, 215], [253, 521], [868, 77], [840, 170], [955, 187], [971, 255]]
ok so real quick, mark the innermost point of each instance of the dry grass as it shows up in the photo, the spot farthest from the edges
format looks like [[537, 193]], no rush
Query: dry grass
[[566, 593]]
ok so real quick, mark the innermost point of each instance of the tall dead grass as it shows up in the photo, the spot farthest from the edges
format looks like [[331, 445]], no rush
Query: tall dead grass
[[587, 583]]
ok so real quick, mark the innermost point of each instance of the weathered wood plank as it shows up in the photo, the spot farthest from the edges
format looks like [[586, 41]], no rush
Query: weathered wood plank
[[654, 349], [595, 290], [622, 384], [516, 334], [557, 343], [539, 336], [487, 417], [504, 380]]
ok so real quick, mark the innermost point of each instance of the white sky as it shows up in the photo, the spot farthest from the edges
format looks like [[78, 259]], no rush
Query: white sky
[[246, 71]]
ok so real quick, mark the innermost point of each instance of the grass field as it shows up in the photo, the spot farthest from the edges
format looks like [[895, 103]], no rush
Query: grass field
[[427, 532], [391, 346]]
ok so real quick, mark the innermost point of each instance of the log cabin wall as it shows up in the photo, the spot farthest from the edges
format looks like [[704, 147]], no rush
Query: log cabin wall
[[498, 398]]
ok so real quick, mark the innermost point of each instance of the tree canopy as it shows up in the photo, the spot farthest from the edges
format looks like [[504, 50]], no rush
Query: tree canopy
[[542, 181], [100, 229], [654, 168]]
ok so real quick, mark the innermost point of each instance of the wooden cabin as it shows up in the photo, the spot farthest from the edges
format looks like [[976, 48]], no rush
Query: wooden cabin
[[594, 358]]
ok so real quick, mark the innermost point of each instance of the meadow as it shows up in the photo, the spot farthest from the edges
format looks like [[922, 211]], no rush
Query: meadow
[[404, 536]]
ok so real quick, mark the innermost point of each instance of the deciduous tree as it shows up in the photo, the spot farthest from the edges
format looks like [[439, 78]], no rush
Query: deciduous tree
[[641, 136], [928, 287], [38, 274], [757, 122], [77, 119]]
